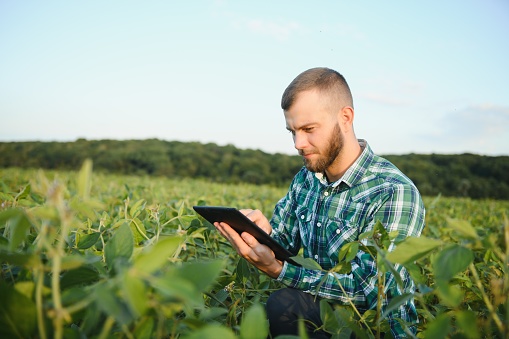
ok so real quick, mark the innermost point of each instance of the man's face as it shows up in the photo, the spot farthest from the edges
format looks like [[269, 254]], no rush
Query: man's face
[[315, 130]]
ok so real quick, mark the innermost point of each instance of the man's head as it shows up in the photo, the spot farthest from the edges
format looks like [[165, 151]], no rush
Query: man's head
[[318, 112], [328, 82]]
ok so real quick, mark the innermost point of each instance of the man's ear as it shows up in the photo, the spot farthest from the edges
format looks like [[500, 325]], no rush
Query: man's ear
[[345, 118]]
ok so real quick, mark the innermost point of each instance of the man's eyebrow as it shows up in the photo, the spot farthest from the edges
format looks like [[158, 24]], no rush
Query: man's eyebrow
[[311, 124]]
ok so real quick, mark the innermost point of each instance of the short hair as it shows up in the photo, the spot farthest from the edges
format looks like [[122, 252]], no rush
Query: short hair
[[323, 79]]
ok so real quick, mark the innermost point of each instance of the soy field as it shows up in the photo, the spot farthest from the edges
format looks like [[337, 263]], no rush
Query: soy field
[[94, 255]]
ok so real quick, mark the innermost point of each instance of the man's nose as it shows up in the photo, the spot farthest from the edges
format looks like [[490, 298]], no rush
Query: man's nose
[[300, 141]]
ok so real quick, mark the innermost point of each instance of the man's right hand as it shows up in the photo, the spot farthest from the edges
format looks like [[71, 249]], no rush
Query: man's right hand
[[258, 218]]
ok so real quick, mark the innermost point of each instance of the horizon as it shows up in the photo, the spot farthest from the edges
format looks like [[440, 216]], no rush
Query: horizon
[[240, 148]]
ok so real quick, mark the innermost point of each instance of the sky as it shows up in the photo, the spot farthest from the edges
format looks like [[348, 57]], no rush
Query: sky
[[426, 76]]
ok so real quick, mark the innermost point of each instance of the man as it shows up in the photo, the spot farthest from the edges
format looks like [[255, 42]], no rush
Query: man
[[340, 193]]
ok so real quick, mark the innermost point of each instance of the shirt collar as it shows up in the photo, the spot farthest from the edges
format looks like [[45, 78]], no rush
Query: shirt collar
[[354, 172]]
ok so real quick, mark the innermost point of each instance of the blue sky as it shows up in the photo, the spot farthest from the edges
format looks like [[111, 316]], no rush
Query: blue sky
[[426, 76]]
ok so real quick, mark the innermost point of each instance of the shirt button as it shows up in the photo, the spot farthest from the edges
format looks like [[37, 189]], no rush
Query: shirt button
[[319, 224], [337, 231], [302, 217], [316, 256], [326, 193]]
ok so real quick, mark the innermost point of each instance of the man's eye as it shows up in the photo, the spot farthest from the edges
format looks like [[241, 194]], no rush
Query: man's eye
[[308, 129]]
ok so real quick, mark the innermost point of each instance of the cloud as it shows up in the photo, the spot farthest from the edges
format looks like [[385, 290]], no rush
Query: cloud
[[481, 120], [482, 129]]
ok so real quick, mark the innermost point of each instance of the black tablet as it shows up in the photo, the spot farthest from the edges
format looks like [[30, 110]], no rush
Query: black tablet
[[240, 223]]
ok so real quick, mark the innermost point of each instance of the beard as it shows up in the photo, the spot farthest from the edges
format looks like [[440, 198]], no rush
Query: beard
[[335, 146]]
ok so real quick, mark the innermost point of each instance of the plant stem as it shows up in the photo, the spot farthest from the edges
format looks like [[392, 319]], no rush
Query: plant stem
[[380, 296], [78, 306], [108, 324], [352, 304], [486, 299], [55, 291], [39, 274], [58, 253]]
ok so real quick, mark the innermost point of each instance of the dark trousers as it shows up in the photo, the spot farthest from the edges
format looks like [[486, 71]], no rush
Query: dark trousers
[[286, 306]]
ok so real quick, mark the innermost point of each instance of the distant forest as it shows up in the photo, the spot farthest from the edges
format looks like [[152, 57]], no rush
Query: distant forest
[[460, 175]]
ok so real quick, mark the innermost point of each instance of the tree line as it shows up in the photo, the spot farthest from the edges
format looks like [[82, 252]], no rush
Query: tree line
[[458, 175]]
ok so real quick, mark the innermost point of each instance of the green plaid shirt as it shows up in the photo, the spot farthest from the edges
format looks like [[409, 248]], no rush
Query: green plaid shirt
[[321, 217]]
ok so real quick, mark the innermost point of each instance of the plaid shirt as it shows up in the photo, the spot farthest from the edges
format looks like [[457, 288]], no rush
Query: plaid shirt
[[321, 217]]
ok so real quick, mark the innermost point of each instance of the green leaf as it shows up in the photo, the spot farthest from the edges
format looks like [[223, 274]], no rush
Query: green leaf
[[83, 275], [463, 227], [346, 318], [450, 295], [88, 240], [395, 303], [211, 331], [178, 288], [242, 271], [211, 313], [135, 210], [201, 274], [19, 225], [138, 229], [85, 179], [254, 323], [26, 288], [28, 260], [120, 245], [135, 293], [105, 298], [17, 314], [87, 207], [467, 323], [412, 249], [438, 328], [450, 261], [157, 255], [343, 268], [348, 251], [144, 328], [380, 231], [369, 317], [307, 263], [330, 322], [4, 242], [72, 261], [23, 193]]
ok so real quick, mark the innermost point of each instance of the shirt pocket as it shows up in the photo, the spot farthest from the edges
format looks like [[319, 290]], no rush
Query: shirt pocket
[[338, 233], [304, 219]]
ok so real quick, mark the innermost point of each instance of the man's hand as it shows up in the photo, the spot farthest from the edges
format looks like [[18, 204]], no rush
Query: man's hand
[[259, 219], [249, 248]]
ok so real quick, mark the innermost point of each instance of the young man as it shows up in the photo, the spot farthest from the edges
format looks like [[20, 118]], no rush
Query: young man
[[340, 193]]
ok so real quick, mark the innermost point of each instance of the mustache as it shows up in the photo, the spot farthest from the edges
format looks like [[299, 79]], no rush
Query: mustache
[[302, 153]]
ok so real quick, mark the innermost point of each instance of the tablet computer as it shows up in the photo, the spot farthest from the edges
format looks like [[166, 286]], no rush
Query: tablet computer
[[240, 223]]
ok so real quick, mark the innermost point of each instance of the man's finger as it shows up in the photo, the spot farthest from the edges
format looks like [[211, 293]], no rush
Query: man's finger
[[249, 239]]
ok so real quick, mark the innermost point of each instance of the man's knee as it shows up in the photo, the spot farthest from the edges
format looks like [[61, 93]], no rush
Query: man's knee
[[286, 306], [282, 302]]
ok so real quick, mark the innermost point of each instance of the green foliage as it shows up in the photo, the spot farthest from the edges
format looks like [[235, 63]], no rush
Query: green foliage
[[126, 256], [461, 175]]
